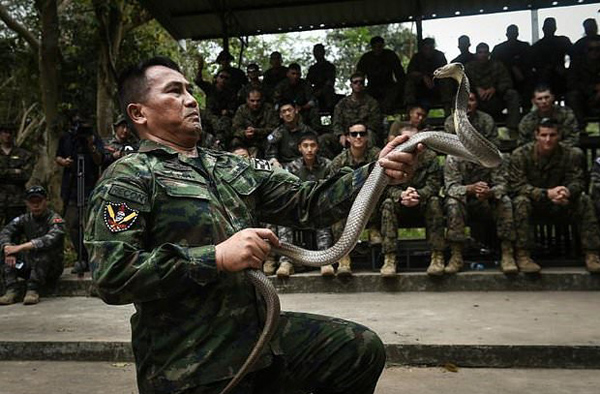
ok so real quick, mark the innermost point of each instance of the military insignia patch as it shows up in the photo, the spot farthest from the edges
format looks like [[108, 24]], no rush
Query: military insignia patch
[[119, 217], [261, 164]]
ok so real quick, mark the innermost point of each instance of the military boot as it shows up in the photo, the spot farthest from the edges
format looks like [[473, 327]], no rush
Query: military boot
[[525, 263], [285, 270], [375, 237], [327, 270], [31, 297], [436, 266], [344, 267], [507, 261], [10, 297], [388, 270], [455, 263], [592, 262]]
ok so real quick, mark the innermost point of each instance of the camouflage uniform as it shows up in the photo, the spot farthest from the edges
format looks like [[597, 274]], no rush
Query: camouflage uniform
[[595, 185], [457, 174], [494, 74], [427, 180], [264, 120], [44, 263], [565, 118], [301, 94], [350, 111], [112, 145], [531, 176], [385, 77], [154, 220], [482, 122], [283, 143], [345, 159], [15, 170]]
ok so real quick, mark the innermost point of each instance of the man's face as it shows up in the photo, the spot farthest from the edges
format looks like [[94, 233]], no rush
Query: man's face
[[428, 50], [416, 116], [293, 76], [253, 75], [378, 48], [243, 152], [357, 136], [472, 104], [308, 149], [122, 132], [36, 205], [254, 100], [275, 61], [547, 139], [357, 84], [288, 113], [319, 53], [543, 101], [169, 110], [5, 137], [222, 79], [463, 45], [482, 54]]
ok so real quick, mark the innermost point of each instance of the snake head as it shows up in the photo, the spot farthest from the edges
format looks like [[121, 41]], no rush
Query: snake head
[[451, 70]]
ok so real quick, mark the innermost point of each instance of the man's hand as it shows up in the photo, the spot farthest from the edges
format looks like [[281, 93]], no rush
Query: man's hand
[[399, 166], [10, 261], [245, 249], [410, 197], [559, 195], [342, 140], [12, 249], [64, 162]]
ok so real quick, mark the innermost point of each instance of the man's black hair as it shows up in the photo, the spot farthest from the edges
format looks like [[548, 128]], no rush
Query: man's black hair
[[295, 66], [541, 87], [377, 39], [132, 86], [357, 74], [284, 102], [308, 135], [255, 90]]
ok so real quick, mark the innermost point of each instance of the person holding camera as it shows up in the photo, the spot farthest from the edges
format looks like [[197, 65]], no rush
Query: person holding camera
[[81, 153], [120, 144]]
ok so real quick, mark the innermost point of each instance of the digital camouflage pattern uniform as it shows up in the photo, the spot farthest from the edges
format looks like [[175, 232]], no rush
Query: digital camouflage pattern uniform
[[427, 180], [154, 220], [565, 119], [264, 120], [350, 111], [283, 143], [458, 173], [44, 263], [15, 170], [481, 121], [530, 177]]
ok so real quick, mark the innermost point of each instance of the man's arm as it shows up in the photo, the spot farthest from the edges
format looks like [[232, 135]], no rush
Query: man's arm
[[518, 177]]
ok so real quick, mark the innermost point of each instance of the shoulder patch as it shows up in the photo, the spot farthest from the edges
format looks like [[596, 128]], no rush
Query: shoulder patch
[[261, 165], [128, 194], [58, 220], [119, 217]]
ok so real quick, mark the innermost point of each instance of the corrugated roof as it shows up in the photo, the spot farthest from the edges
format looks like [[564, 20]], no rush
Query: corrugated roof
[[202, 19]]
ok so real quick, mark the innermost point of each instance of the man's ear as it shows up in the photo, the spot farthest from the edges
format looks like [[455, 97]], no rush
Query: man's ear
[[136, 113]]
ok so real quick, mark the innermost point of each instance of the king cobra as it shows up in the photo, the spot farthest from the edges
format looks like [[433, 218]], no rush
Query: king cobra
[[467, 144]]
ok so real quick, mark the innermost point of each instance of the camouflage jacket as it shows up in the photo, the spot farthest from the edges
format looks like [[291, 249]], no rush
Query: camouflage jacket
[[46, 233], [350, 111], [427, 179], [595, 184], [264, 121], [320, 169], [112, 145], [345, 159], [300, 93], [152, 226], [565, 117], [482, 122], [489, 74], [15, 170], [283, 143], [530, 175], [458, 173]]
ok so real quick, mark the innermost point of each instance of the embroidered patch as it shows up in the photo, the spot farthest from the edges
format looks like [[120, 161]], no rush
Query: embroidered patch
[[128, 194], [119, 217], [58, 220], [261, 164]]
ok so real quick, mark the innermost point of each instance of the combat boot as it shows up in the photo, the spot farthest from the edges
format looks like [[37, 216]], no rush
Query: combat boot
[[592, 262], [375, 237], [327, 270], [10, 297], [31, 297], [507, 261], [285, 270], [269, 266], [436, 266], [456, 258], [344, 268], [388, 270], [525, 263]]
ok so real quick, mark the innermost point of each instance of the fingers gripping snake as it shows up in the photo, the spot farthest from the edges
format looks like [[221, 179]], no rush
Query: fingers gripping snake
[[467, 144]]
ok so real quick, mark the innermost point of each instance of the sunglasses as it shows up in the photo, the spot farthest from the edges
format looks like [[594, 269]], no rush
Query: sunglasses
[[358, 134], [358, 82]]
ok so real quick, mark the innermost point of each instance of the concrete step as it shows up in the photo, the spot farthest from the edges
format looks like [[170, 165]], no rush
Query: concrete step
[[51, 377], [551, 279], [472, 329]]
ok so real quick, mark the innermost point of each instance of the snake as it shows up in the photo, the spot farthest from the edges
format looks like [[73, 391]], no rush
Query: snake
[[467, 144]]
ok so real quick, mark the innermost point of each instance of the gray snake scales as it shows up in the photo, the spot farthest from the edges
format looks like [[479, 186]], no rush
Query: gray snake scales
[[467, 144]]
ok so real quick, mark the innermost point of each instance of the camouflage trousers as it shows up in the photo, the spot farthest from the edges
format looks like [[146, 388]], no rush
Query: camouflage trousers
[[319, 355], [40, 271], [579, 212], [338, 228], [393, 213], [323, 238], [458, 213]]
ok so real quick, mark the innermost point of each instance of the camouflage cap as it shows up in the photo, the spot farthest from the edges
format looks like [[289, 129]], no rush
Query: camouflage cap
[[36, 191], [120, 119]]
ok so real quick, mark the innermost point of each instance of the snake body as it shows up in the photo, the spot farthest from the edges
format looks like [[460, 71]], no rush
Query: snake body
[[467, 144]]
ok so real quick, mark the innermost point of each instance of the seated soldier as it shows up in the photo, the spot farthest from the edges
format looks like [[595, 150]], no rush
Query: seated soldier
[[583, 82], [297, 89], [547, 178], [358, 154], [309, 167], [417, 198], [273, 75], [477, 192], [545, 106], [39, 259], [481, 121], [121, 143], [253, 72], [417, 116], [595, 185], [253, 122]]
